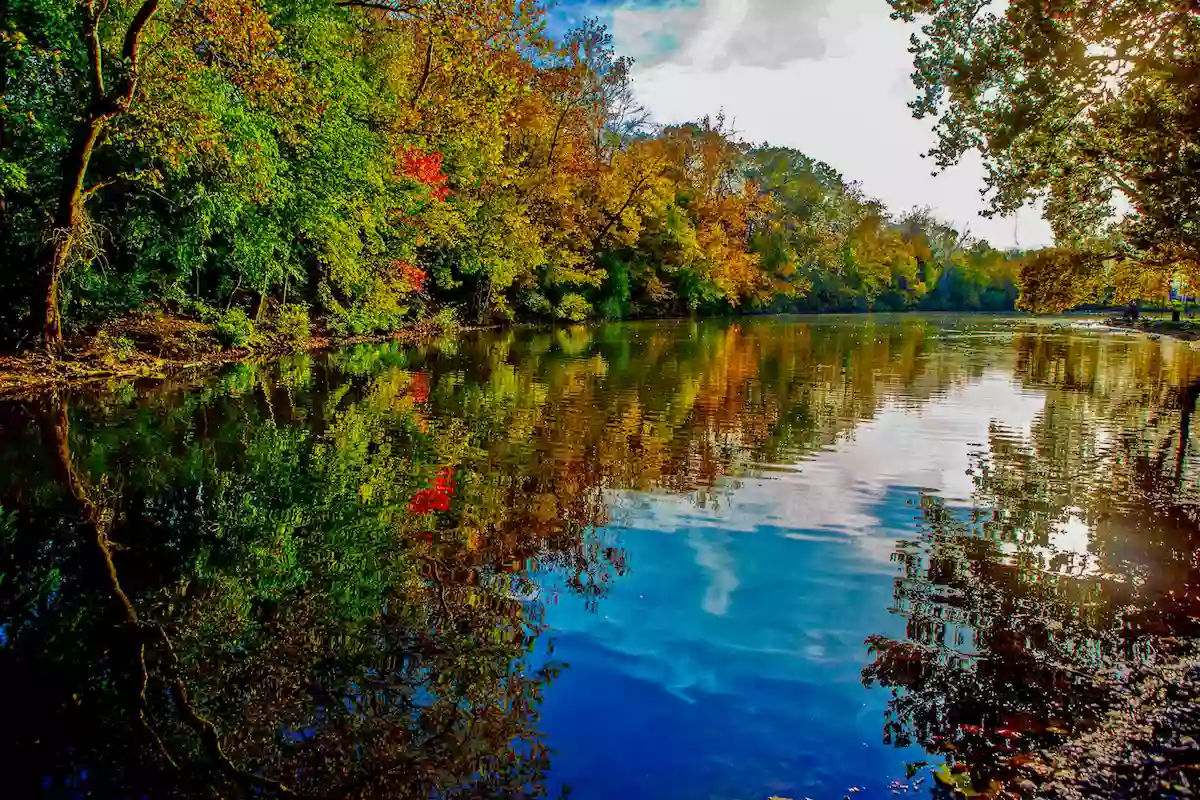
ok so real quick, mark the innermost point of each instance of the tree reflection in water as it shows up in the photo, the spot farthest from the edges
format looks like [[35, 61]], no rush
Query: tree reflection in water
[[1075, 565], [316, 578], [328, 577], [266, 618]]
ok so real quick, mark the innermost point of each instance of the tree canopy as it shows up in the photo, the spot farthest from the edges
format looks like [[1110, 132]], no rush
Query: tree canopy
[[1091, 107], [363, 163]]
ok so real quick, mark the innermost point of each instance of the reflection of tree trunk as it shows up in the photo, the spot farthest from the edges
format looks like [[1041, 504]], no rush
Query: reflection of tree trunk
[[1187, 407], [56, 433], [96, 519]]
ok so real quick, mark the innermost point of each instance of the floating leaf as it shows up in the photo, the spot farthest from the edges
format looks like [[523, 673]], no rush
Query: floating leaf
[[959, 782]]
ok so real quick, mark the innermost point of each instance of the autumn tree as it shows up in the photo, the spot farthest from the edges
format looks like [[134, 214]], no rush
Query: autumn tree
[[1086, 105], [105, 71], [363, 163]]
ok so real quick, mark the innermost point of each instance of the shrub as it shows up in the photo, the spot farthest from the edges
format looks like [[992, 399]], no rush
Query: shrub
[[291, 320], [574, 308], [191, 340], [359, 320], [537, 303], [120, 348], [233, 328], [446, 319], [200, 310], [123, 348]]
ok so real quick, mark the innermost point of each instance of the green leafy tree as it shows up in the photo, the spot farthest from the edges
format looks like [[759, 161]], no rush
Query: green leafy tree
[[1074, 102]]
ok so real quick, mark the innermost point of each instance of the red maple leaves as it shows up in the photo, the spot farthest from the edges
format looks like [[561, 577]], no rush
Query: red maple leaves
[[425, 169], [409, 275], [436, 497]]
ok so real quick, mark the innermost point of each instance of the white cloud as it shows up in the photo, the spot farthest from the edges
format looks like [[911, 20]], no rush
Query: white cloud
[[768, 567], [714, 558], [835, 494], [794, 569], [830, 79]]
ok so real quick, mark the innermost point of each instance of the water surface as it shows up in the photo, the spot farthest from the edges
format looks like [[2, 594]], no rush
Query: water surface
[[773, 557]]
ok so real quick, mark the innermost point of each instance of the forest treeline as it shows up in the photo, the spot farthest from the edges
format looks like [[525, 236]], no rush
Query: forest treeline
[[361, 163]]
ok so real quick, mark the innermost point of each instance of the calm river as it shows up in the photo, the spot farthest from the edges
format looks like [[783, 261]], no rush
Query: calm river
[[789, 557]]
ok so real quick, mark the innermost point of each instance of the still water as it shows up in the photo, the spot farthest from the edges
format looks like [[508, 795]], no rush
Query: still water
[[773, 557]]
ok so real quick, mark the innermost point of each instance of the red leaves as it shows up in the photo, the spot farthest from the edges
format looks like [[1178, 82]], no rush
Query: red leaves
[[425, 169], [436, 497], [428, 500], [419, 387], [410, 276]]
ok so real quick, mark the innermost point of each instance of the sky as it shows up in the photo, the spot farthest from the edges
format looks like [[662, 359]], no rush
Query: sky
[[827, 77]]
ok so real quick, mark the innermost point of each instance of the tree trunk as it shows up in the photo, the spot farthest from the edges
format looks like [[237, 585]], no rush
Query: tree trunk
[[3, 96], [103, 106], [66, 227]]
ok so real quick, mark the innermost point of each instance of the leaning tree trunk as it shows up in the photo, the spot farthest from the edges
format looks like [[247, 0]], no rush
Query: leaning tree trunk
[[104, 105], [66, 227], [1187, 408]]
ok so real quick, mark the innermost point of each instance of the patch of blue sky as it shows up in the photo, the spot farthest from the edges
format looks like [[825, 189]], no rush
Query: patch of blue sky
[[564, 15]]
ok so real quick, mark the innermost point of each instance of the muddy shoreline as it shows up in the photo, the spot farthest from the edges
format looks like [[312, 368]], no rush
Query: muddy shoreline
[[160, 355]]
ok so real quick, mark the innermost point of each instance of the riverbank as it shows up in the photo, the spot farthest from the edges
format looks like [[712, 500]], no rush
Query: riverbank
[[1187, 330], [157, 346]]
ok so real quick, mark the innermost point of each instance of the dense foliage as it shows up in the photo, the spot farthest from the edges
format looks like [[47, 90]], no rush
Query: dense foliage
[[1092, 107], [363, 162]]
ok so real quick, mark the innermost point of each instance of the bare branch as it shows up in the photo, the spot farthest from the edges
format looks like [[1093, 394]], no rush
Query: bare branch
[[381, 5], [424, 74], [102, 184]]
